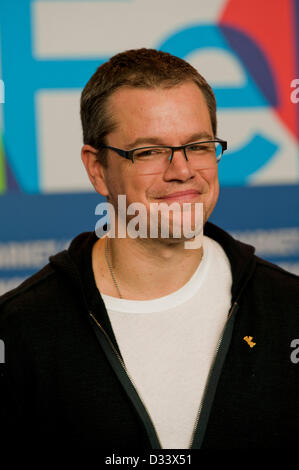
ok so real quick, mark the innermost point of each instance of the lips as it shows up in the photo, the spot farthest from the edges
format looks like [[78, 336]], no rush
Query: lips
[[182, 194]]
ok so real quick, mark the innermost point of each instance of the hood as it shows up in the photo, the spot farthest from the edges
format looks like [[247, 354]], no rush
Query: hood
[[76, 266], [240, 255], [76, 261]]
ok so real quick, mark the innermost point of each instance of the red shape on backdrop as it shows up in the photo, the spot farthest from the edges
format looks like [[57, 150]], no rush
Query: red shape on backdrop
[[272, 26]]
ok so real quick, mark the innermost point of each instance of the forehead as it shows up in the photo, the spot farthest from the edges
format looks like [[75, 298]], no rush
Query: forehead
[[168, 113]]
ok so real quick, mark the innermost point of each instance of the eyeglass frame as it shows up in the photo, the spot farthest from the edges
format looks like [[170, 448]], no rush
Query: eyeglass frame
[[128, 154]]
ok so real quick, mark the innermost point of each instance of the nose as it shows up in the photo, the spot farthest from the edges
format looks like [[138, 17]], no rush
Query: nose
[[179, 167]]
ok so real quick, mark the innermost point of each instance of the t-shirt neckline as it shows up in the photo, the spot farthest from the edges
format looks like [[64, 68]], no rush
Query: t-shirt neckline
[[169, 301]]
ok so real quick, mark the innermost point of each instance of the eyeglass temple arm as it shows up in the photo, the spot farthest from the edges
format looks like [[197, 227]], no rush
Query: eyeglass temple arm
[[123, 153]]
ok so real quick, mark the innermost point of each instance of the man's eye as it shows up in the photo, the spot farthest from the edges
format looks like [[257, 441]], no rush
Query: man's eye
[[197, 148], [201, 148], [145, 153], [149, 152]]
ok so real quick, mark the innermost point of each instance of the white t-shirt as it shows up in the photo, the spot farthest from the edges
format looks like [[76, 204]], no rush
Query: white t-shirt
[[168, 344]]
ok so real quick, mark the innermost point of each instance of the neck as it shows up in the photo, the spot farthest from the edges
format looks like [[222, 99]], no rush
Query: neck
[[144, 269]]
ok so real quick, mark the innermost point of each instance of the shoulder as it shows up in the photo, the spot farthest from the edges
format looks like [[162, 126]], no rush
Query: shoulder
[[53, 287], [275, 269], [266, 283], [273, 275], [36, 294]]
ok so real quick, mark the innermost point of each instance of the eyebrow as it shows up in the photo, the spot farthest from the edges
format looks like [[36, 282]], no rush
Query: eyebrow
[[157, 140]]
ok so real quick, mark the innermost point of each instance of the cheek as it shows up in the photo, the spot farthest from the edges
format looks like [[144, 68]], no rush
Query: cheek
[[116, 179], [210, 175], [212, 181], [131, 186], [213, 178]]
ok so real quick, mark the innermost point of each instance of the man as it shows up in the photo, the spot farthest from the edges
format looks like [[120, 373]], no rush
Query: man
[[137, 341]]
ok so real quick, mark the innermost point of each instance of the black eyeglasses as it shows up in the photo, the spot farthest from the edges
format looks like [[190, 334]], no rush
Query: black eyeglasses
[[156, 158]]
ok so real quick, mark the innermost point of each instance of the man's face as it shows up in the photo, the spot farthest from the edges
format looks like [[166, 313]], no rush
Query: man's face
[[159, 116]]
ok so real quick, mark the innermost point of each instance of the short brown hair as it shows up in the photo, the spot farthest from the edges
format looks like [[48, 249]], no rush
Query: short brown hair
[[142, 68]]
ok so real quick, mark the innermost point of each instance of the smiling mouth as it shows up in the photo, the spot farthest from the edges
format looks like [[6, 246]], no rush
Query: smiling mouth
[[182, 195]]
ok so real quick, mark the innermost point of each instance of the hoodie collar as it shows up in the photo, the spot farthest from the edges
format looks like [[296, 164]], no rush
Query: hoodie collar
[[76, 265], [76, 262], [240, 255]]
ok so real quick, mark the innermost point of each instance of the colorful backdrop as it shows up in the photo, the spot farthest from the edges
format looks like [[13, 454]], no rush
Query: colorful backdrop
[[247, 49]]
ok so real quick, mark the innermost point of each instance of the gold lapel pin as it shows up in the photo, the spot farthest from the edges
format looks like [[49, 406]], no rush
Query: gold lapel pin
[[249, 341]]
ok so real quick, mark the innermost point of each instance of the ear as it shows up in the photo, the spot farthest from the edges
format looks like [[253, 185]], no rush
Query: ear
[[95, 169]]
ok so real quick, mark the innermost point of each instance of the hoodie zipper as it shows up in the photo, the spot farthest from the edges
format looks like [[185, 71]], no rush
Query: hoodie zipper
[[126, 372], [204, 395], [202, 402], [205, 391]]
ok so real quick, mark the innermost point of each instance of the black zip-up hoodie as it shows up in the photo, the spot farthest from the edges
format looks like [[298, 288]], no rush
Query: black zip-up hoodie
[[64, 383]]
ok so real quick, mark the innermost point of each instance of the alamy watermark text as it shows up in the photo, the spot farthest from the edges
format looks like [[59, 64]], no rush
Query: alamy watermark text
[[158, 220]]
